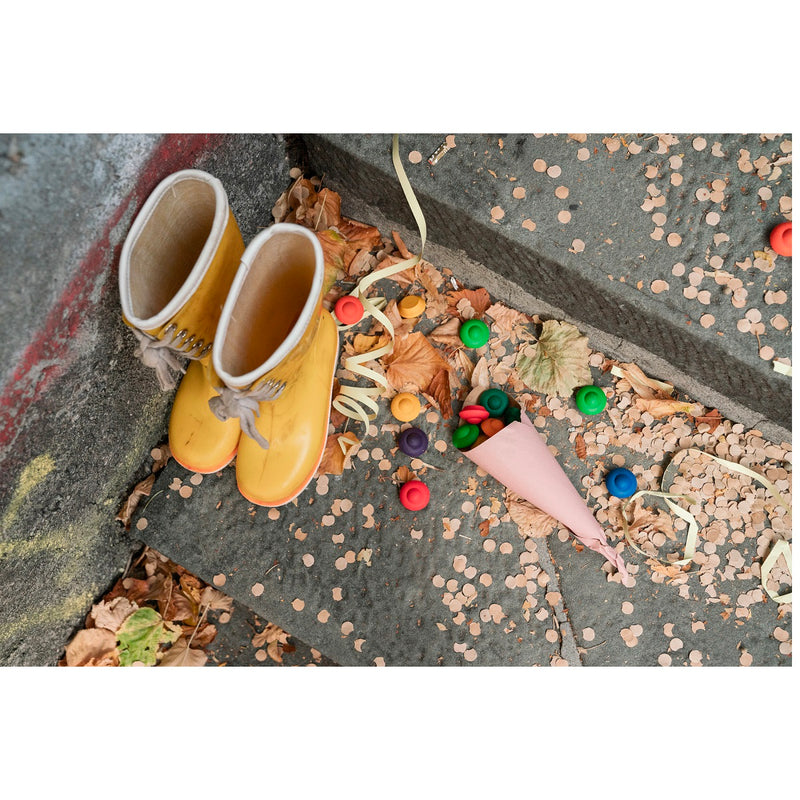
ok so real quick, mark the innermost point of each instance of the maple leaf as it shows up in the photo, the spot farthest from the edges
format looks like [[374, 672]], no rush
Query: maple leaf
[[142, 489], [110, 614], [333, 457], [140, 636], [438, 392], [531, 521], [413, 363], [181, 655], [558, 362], [92, 647], [478, 300]]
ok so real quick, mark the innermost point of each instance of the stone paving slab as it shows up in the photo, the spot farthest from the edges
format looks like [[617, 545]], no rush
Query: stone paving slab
[[652, 238]]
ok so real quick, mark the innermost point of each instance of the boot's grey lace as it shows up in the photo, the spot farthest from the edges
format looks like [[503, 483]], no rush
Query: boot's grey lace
[[160, 354], [244, 404]]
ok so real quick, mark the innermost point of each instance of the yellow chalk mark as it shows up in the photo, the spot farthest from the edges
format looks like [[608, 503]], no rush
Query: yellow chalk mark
[[68, 609], [30, 477], [61, 539]]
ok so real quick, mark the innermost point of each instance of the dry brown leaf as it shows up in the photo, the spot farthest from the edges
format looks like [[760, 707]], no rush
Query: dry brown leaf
[[181, 655], [477, 299], [713, 418], [93, 647], [580, 446], [110, 614], [142, 489], [531, 521], [659, 407], [401, 245], [402, 326], [326, 211], [413, 363], [359, 234], [643, 386], [447, 334], [362, 262], [509, 322], [204, 635], [363, 343], [403, 475], [438, 391], [214, 600], [333, 458]]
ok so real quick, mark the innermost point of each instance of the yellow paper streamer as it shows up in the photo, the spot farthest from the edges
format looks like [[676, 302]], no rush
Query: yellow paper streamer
[[780, 547], [351, 399]]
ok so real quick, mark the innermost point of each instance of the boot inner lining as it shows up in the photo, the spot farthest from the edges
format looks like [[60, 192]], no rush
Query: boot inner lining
[[169, 245], [270, 302]]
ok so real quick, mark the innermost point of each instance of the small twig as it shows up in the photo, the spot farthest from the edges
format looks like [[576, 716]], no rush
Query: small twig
[[196, 628]]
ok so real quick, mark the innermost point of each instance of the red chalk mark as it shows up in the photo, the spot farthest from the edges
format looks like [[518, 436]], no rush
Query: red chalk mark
[[47, 356]]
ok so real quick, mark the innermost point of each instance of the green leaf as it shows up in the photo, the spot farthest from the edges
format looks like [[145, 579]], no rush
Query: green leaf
[[140, 636], [558, 362]]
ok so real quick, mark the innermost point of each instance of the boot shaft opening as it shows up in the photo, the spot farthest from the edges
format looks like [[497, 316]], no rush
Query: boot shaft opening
[[273, 305], [170, 245]]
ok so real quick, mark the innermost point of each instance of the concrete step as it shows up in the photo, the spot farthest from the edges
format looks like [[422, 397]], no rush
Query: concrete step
[[651, 240]]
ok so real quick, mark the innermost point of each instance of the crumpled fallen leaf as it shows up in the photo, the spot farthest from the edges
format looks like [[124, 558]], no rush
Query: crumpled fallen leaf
[[141, 635], [413, 363], [181, 655], [142, 489], [477, 301], [531, 521], [93, 647], [214, 600], [712, 418], [659, 407], [509, 322], [558, 362], [276, 640], [403, 475], [333, 457], [110, 614], [438, 392], [633, 377], [365, 555], [447, 333]]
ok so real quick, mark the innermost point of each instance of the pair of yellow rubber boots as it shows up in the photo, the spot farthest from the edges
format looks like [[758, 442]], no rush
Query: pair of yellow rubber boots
[[262, 349]]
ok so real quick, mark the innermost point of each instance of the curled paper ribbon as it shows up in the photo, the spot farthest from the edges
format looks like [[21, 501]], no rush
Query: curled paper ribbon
[[351, 399], [690, 546]]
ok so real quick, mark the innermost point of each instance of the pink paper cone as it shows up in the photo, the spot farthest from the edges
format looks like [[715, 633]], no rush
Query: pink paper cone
[[518, 457]]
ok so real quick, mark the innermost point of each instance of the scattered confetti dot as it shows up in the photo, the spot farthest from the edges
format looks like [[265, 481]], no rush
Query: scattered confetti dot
[[678, 270], [699, 143], [274, 514], [578, 246], [257, 589], [540, 165], [712, 218], [347, 628], [219, 579], [588, 634], [707, 320], [779, 322], [656, 287], [529, 225], [336, 593], [584, 154], [141, 524], [298, 604], [196, 479], [562, 192], [497, 213], [767, 353], [308, 560], [627, 608], [564, 216], [675, 644], [415, 156], [745, 659], [554, 171], [261, 655], [518, 193], [665, 659], [185, 492], [674, 239], [324, 616]]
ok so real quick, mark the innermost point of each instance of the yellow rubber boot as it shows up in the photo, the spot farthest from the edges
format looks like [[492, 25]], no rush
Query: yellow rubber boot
[[198, 440], [276, 354], [176, 268]]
